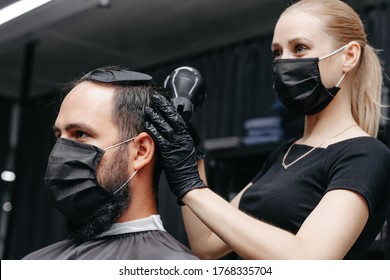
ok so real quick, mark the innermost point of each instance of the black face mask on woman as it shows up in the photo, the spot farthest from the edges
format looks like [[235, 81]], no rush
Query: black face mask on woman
[[71, 181], [298, 84]]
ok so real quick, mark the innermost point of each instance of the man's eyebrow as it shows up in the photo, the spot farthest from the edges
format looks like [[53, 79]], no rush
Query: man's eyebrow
[[71, 126]]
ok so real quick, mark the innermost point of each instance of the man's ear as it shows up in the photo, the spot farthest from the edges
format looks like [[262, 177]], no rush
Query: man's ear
[[352, 54], [144, 150]]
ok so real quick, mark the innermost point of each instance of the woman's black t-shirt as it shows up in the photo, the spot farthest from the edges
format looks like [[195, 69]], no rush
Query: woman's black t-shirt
[[285, 198]]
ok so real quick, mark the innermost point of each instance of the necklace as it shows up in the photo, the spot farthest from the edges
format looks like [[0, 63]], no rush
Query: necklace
[[312, 149]]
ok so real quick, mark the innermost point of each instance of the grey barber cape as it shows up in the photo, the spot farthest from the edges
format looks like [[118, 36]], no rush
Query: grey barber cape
[[143, 239]]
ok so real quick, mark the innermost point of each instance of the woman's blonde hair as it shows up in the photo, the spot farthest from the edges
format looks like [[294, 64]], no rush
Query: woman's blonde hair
[[344, 25]]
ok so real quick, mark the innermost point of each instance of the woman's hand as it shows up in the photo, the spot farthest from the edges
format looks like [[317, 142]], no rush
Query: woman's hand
[[176, 147]]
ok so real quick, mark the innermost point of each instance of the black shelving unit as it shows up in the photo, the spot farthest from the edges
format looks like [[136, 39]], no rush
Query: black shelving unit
[[231, 169]]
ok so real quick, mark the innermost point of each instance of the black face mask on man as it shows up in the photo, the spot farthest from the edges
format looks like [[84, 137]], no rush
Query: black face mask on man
[[298, 84], [71, 181]]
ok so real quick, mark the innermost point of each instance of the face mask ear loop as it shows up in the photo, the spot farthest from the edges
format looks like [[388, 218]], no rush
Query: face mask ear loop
[[336, 51], [341, 79], [116, 145], [337, 86], [128, 180]]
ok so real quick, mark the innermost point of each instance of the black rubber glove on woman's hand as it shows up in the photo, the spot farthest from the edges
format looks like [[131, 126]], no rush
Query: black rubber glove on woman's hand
[[169, 131]]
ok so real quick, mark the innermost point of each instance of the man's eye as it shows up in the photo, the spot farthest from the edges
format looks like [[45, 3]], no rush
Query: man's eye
[[80, 134]]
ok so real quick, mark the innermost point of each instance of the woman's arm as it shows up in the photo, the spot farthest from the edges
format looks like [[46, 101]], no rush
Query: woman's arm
[[328, 232], [203, 242]]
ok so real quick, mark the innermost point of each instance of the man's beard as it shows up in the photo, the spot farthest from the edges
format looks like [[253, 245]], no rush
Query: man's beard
[[111, 176]]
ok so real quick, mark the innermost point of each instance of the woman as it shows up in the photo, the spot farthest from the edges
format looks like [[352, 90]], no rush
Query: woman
[[322, 196]]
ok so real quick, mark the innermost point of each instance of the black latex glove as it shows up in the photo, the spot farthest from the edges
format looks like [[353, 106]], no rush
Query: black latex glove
[[199, 149], [169, 131]]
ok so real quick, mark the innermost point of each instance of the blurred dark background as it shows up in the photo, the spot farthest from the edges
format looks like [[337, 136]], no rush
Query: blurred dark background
[[228, 41]]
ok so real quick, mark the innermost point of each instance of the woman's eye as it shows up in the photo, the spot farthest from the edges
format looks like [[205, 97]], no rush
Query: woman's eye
[[300, 49], [276, 54]]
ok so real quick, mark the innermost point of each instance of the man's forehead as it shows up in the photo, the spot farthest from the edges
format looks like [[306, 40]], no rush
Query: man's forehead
[[88, 102], [88, 89]]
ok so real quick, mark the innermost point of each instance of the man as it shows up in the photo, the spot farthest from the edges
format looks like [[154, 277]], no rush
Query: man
[[103, 172]]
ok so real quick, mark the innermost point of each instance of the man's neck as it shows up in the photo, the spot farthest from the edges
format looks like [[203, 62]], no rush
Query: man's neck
[[143, 204], [152, 223]]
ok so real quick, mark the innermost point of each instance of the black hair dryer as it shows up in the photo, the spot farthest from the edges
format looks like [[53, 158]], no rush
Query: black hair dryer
[[186, 90]]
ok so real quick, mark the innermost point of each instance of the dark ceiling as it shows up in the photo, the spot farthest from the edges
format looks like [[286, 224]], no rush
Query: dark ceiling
[[66, 37]]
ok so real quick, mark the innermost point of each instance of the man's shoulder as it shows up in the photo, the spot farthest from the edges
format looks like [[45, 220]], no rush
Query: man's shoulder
[[155, 245], [49, 251], [176, 248], [145, 245]]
